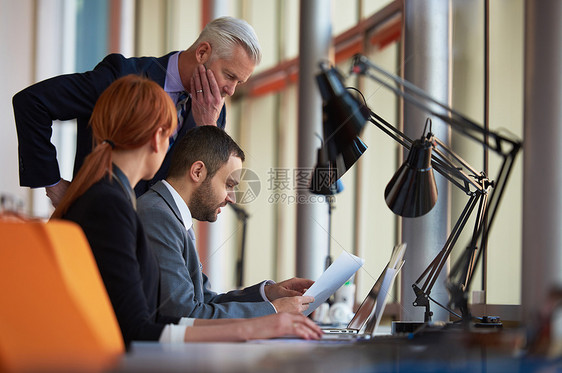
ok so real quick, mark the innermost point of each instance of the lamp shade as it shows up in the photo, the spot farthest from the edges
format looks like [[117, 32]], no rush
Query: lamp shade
[[344, 115], [348, 156], [326, 175], [344, 119], [317, 186], [412, 190]]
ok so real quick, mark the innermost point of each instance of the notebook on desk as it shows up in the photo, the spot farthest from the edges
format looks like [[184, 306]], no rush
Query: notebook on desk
[[369, 314]]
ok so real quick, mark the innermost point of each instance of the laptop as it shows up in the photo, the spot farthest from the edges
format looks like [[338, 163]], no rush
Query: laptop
[[369, 314]]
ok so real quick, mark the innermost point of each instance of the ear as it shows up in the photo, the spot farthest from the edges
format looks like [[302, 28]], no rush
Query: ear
[[198, 172], [203, 52], [156, 140]]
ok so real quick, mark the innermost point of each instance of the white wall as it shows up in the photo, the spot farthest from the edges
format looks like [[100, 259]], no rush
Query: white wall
[[40, 50], [17, 45]]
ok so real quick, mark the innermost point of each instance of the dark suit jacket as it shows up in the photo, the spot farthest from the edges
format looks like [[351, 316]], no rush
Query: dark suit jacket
[[127, 266], [73, 96], [185, 291]]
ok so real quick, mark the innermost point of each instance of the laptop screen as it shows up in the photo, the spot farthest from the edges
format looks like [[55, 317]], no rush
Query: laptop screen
[[366, 308], [365, 311]]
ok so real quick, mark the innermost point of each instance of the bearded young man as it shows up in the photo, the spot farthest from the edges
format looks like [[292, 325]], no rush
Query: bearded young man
[[204, 171]]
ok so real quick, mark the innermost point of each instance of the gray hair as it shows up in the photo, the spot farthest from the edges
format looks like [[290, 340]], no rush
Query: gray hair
[[224, 33]]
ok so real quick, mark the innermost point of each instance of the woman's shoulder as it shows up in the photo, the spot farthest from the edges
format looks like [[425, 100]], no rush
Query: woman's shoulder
[[106, 196], [104, 190], [106, 186]]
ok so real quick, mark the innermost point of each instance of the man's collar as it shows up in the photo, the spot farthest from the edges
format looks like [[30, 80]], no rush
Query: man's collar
[[173, 82], [182, 206]]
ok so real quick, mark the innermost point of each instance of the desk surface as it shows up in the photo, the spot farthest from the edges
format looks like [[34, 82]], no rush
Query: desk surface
[[443, 352]]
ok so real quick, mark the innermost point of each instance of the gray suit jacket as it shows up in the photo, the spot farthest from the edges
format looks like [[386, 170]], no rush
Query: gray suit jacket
[[184, 288]]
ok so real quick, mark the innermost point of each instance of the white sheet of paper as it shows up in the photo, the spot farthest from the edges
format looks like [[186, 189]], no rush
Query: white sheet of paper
[[332, 279]]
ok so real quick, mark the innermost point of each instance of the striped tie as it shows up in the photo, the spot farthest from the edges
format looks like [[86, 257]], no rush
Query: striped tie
[[181, 108]]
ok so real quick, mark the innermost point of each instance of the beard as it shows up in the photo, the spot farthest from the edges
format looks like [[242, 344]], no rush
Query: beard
[[202, 206]]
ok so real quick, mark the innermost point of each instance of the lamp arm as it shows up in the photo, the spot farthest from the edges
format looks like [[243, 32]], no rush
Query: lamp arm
[[442, 149], [455, 174], [439, 261], [431, 273], [459, 282], [441, 159], [462, 272], [390, 130], [417, 97]]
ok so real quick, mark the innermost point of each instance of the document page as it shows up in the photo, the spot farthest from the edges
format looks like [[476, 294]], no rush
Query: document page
[[332, 279]]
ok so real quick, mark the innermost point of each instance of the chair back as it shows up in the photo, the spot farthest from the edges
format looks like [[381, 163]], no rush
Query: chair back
[[55, 312]]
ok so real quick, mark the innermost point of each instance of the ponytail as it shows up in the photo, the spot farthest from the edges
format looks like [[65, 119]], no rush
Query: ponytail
[[96, 165]]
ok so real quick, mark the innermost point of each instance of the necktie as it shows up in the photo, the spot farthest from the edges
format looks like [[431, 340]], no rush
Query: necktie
[[182, 113]]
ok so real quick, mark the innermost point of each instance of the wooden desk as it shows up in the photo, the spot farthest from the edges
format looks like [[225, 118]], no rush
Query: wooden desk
[[432, 352]]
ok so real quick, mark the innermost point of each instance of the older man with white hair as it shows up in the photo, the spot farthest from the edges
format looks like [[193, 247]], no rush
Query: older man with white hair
[[197, 80]]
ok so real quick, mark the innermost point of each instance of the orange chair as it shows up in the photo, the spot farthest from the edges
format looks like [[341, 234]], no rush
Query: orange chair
[[55, 314]]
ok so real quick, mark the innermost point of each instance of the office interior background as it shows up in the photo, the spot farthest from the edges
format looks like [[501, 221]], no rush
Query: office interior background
[[44, 38]]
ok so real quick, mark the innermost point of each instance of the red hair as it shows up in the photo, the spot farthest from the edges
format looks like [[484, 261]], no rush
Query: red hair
[[125, 117]]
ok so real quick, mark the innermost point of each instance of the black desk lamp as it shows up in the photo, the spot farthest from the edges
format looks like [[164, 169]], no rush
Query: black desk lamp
[[412, 191], [242, 217], [343, 122], [341, 147], [326, 182]]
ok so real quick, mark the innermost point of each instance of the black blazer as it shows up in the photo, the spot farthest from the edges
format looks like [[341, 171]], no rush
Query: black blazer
[[127, 265], [73, 96]]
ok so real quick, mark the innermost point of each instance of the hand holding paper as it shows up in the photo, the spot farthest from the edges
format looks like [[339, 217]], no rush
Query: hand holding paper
[[332, 279]]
